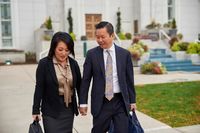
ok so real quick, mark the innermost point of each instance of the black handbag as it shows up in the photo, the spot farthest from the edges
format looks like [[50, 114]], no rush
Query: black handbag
[[133, 127], [35, 127]]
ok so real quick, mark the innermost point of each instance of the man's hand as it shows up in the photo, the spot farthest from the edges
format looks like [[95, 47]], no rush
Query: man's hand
[[83, 111], [36, 117], [133, 106]]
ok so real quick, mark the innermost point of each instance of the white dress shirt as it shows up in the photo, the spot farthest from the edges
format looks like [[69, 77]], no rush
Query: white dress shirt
[[112, 52]]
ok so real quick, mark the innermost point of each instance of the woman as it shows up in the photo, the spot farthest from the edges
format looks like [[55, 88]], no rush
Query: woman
[[57, 81]]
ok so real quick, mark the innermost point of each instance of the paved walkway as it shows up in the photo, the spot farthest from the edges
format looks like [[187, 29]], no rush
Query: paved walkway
[[16, 94]]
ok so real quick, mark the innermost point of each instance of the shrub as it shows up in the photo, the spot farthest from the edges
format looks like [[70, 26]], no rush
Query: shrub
[[179, 36], [153, 25], [166, 25], [30, 57], [153, 68], [136, 40], [145, 47], [137, 50], [128, 36], [118, 26], [193, 48], [48, 23], [183, 46], [179, 46], [73, 36], [47, 37], [121, 36], [175, 47], [173, 24], [173, 40], [70, 20]]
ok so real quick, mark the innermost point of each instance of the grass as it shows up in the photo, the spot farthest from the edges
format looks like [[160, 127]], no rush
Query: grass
[[176, 104]]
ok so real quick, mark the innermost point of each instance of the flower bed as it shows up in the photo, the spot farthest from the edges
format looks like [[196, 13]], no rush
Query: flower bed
[[137, 49], [153, 68]]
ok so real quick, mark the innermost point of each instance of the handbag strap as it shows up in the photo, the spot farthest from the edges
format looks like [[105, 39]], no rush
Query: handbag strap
[[133, 116]]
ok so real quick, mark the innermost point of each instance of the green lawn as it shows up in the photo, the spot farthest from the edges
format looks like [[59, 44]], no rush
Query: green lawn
[[176, 104]]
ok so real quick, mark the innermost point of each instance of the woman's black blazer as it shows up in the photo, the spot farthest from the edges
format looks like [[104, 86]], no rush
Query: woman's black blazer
[[46, 96]]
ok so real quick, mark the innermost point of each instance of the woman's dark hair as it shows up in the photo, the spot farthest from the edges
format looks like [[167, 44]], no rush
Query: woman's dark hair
[[107, 25], [61, 37]]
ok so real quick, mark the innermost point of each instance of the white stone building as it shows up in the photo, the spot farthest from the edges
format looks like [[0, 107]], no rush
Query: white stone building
[[21, 18]]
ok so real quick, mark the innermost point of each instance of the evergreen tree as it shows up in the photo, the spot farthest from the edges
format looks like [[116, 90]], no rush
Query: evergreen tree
[[174, 23], [118, 29], [48, 23], [70, 21]]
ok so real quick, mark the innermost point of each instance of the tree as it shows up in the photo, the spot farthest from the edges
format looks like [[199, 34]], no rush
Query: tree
[[48, 23], [70, 21], [118, 29], [174, 23]]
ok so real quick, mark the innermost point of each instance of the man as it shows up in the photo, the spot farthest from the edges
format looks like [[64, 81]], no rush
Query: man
[[113, 93]]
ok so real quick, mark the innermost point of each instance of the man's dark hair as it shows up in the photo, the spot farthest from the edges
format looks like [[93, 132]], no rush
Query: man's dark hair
[[107, 25], [61, 37]]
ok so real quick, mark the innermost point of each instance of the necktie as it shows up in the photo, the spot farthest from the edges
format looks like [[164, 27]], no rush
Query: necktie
[[109, 77]]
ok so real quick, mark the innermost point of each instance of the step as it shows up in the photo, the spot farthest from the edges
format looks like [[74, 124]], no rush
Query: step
[[178, 65], [160, 56], [170, 60], [176, 62], [154, 53], [163, 59], [157, 51], [171, 63], [191, 69], [184, 67]]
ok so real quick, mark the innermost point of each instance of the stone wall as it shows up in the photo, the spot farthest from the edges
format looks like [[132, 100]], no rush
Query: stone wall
[[12, 56]]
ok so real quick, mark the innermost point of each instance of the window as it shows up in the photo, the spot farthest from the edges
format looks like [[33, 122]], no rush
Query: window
[[171, 9], [5, 23]]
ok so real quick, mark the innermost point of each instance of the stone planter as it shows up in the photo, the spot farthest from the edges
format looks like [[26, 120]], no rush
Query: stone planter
[[12, 56], [48, 32], [135, 63], [188, 56], [172, 32], [195, 58], [43, 46], [144, 58], [180, 55], [154, 35]]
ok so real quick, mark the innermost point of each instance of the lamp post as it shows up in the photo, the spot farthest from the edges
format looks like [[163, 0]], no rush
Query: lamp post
[[8, 62], [84, 48]]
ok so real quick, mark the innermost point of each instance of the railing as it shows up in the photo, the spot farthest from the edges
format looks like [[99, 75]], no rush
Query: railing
[[43, 53], [197, 41], [162, 32], [120, 42]]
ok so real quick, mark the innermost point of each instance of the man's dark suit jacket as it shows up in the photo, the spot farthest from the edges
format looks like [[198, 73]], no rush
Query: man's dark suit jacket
[[94, 68], [46, 90]]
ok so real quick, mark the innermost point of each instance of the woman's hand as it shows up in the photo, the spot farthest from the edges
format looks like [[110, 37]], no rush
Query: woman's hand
[[133, 106], [83, 111], [36, 117]]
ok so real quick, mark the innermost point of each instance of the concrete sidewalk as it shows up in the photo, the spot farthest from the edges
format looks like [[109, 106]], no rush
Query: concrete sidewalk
[[16, 94]]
